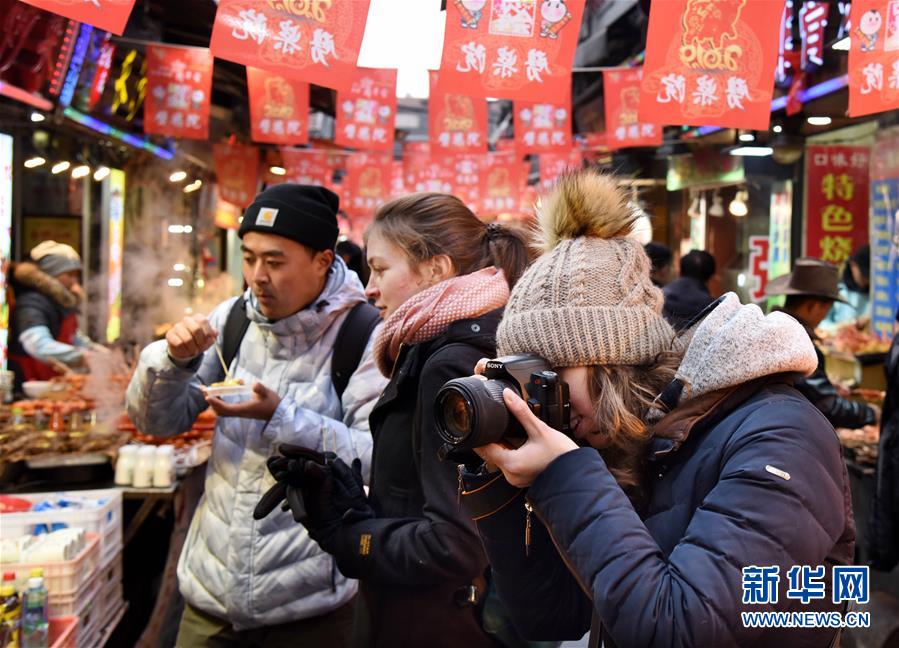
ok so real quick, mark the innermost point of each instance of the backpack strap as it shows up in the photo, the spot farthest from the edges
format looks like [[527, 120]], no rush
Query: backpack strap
[[235, 328], [350, 343]]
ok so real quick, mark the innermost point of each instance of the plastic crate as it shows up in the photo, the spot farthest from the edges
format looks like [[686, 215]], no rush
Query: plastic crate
[[63, 632], [64, 577], [79, 603], [110, 599], [112, 571], [105, 520]]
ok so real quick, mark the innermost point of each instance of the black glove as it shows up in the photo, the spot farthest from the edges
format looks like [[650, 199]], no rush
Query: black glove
[[297, 468], [337, 500]]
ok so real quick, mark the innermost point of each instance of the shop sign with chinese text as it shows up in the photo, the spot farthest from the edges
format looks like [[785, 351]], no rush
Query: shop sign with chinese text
[[711, 62], [836, 201], [179, 85], [108, 15], [279, 108], [316, 41], [510, 49], [759, 250], [885, 235], [874, 57], [780, 228], [366, 112], [542, 127], [236, 170], [456, 123], [621, 93]]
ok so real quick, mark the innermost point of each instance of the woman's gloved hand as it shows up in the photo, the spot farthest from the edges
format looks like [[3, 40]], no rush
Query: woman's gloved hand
[[321, 490], [336, 501], [294, 469]]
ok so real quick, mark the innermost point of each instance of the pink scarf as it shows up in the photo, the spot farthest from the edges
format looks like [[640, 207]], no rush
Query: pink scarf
[[428, 314]]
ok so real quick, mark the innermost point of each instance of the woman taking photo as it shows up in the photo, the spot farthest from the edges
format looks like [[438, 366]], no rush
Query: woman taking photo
[[709, 460], [440, 277]]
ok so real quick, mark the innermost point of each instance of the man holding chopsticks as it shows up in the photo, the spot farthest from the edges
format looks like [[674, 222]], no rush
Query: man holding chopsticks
[[247, 582]]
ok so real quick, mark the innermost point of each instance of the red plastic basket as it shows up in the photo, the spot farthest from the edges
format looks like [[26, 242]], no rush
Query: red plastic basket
[[63, 632]]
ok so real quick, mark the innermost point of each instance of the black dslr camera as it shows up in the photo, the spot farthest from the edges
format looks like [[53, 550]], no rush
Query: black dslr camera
[[471, 412]]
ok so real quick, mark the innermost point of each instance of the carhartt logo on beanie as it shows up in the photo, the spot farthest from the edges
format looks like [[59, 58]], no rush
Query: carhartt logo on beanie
[[588, 299], [306, 214]]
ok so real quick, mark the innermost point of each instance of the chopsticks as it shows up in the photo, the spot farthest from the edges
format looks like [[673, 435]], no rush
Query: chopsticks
[[218, 352]]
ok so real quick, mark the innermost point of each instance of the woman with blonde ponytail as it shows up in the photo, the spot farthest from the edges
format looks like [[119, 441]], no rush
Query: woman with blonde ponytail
[[710, 465], [441, 278]]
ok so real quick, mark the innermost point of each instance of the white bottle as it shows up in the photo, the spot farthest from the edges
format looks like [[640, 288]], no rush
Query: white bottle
[[164, 466], [143, 468], [124, 467]]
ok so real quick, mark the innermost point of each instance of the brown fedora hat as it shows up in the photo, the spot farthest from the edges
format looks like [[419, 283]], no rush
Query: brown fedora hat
[[811, 277]]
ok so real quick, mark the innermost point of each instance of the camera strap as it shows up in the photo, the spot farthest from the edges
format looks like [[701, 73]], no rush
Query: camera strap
[[490, 498]]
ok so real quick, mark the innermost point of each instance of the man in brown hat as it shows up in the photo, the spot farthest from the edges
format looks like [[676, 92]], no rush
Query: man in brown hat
[[811, 290]]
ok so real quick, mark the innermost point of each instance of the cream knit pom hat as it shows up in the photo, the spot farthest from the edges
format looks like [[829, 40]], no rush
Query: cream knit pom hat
[[588, 299]]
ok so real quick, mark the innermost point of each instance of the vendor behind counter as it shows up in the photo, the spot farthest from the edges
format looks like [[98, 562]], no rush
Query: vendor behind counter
[[854, 289], [44, 338]]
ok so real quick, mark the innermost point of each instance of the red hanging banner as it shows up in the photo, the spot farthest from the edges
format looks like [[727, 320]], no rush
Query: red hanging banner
[[101, 74], [179, 86], [316, 41], [366, 112], [466, 177], [236, 170], [621, 92], [414, 155], [279, 108], [501, 183], [874, 57], [108, 15], [837, 203], [542, 127], [367, 183], [456, 123], [711, 63], [397, 180], [307, 166], [430, 174], [511, 49], [552, 165]]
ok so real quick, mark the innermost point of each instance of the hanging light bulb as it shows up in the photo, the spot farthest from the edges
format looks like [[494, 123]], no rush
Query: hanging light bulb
[[81, 171], [693, 211], [738, 206], [717, 208]]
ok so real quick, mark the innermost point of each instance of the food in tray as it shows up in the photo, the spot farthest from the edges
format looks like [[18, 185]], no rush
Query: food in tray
[[866, 436], [849, 339], [230, 382]]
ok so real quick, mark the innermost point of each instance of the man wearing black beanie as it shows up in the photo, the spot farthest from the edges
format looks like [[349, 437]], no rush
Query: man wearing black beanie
[[248, 582]]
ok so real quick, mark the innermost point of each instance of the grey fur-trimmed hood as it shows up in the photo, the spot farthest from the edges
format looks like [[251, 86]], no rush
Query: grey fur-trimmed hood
[[28, 275], [736, 343]]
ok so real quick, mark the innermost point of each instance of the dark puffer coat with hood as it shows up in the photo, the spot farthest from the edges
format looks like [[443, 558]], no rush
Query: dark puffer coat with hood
[[743, 471]]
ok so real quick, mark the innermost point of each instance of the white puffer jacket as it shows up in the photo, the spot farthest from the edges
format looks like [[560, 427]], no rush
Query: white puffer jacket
[[267, 572]]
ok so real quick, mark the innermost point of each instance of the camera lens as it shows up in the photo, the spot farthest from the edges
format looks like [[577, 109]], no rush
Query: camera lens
[[471, 412], [456, 414]]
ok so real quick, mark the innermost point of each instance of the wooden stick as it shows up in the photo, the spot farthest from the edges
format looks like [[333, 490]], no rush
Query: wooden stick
[[218, 352]]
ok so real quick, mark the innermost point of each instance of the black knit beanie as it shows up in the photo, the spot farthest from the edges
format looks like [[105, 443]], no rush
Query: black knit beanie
[[306, 214]]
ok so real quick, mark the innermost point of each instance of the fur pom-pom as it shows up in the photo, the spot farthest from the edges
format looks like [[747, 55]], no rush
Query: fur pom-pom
[[583, 203]]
